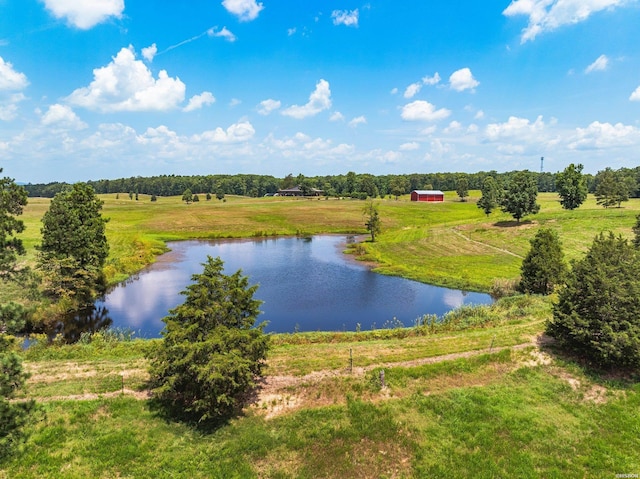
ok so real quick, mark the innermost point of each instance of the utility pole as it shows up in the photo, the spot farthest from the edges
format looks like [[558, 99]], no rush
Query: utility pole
[[541, 164]]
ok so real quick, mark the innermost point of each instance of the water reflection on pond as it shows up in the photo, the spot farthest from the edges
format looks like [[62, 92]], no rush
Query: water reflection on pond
[[307, 284]]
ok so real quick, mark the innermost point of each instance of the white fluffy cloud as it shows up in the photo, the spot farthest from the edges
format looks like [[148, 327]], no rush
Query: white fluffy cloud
[[85, 14], [62, 116], [635, 96], [548, 15], [412, 90], [236, 133], [423, 111], [434, 80], [9, 106], [515, 128], [359, 120], [605, 135], [462, 79], [198, 101], [245, 10], [345, 17], [11, 79], [337, 116], [411, 146], [269, 105], [600, 64], [319, 100], [126, 84], [150, 52]]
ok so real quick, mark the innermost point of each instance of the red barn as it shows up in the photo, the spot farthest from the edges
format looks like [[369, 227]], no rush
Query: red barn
[[431, 196]]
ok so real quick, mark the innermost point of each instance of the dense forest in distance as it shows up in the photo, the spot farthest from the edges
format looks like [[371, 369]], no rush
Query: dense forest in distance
[[350, 184]]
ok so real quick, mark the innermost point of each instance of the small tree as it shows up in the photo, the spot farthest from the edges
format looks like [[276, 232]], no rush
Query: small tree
[[196, 199], [372, 216], [13, 199], [187, 196], [219, 195], [154, 198], [74, 245], [14, 416], [543, 268], [462, 187], [211, 352], [520, 194], [612, 188], [598, 311], [490, 198], [572, 187], [208, 197]]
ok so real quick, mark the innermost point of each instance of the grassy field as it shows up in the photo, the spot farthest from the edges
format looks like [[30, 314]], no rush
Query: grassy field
[[480, 395], [449, 244], [490, 401]]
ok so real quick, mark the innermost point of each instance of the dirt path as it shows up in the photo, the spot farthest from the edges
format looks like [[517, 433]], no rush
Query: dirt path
[[278, 394]]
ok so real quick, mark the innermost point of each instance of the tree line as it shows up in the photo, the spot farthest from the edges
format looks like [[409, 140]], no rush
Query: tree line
[[350, 184]]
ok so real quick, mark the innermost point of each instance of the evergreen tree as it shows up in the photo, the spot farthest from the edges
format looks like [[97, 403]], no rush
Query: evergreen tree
[[490, 198], [572, 187], [211, 352], [74, 245], [543, 268], [154, 197], [612, 188], [636, 232], [14, 416], [13, 199], [520, 194], [598, 311], [196, 199]]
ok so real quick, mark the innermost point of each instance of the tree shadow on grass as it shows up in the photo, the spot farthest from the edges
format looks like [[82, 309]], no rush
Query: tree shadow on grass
[[512, 223], [615, 377], [174, 413]]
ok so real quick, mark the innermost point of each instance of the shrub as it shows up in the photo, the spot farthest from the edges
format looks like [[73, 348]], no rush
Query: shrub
[[598, 312], [211, 353]]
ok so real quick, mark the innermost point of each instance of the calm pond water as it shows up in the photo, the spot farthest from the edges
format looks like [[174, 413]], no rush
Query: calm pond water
[[307, 284]]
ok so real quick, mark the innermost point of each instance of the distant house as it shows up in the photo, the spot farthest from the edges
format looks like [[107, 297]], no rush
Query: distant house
[[431, 196], [297, 191]]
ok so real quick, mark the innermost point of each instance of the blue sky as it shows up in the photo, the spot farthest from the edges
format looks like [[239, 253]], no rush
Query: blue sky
[[97, 89]]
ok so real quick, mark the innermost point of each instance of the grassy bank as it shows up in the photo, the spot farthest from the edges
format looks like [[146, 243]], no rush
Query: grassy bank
[[451, 244], [481, 397]]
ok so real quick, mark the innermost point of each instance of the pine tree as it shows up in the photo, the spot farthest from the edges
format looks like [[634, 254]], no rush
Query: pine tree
[[543, 268], [14, 416], [211, 352], [598, 311], [74, 246]]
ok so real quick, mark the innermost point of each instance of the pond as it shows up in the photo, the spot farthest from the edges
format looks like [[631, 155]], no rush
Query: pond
[[307, 284]]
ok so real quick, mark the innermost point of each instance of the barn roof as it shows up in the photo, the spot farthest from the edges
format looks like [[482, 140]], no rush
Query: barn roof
[[428, 192]]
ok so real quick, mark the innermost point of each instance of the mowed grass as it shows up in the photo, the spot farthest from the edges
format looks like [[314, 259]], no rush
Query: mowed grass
[[450, 244], [507, 413]]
